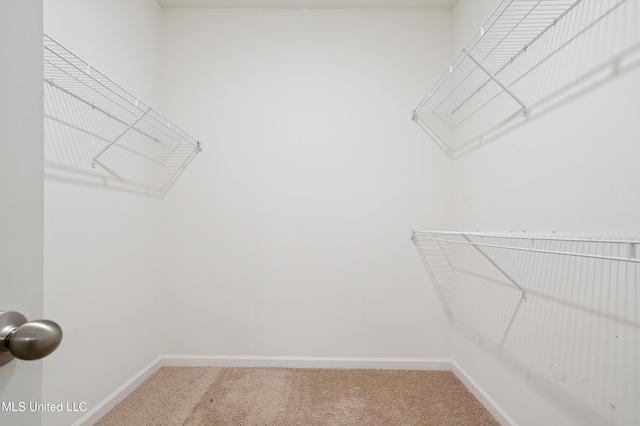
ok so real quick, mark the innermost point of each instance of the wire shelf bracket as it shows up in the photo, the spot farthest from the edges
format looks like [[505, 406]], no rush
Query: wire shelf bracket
[[492, 77], [502, 271], [131, 126]]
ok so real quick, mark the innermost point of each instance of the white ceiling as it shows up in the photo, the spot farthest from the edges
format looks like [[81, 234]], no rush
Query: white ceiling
[[311, 4]]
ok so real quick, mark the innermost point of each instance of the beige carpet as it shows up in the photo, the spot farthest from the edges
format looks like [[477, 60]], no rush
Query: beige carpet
[[275, 396]]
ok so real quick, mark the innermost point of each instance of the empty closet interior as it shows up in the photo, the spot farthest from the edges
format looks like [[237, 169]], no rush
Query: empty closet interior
[[234, 184]]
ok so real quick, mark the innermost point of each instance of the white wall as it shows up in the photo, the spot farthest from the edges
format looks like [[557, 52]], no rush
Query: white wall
[[288, 236], [21, 191], [571, 355], [103, 267]]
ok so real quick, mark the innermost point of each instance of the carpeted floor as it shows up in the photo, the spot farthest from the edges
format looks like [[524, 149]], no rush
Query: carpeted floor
[[278, 396]]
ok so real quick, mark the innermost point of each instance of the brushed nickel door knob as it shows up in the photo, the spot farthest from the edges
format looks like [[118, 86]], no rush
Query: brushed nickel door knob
[[26, 340]]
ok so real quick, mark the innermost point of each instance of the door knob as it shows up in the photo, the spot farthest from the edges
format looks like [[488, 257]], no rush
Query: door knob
[[26, 340]]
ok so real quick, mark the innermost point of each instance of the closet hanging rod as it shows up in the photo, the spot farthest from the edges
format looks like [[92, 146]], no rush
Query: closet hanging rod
[[536, 236], [630, 244]]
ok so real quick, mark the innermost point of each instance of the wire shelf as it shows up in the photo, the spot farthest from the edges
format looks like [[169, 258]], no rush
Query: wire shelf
[[119, 135], [513, 61], [605, 249], [577, 333]]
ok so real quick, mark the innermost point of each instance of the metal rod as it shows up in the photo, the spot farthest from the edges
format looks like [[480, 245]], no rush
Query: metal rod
[[499, 83], [562, 253], [93, 162], [526, 236], [502, 271]]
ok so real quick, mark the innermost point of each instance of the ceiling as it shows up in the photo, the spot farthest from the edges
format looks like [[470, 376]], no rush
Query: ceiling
[[310, 4]]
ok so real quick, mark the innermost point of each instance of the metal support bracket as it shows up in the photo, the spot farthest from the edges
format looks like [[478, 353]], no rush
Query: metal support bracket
[[502, 271], [499, 83], [93, 162]]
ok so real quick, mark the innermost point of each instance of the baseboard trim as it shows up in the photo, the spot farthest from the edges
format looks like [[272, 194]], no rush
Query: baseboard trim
[[307, 362], [440, 364], [117, 396], [489, 403]]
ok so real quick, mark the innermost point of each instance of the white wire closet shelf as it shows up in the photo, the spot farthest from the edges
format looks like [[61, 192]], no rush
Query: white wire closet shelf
[[607, 249], [507, 65], [91, 120]]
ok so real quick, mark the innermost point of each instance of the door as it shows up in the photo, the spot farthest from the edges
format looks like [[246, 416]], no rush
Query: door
[[21, 195]]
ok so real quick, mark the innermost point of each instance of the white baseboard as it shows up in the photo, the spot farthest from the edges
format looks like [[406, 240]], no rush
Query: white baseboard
[[117, 396], [307, 362], [489, 403], [441, 364]]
